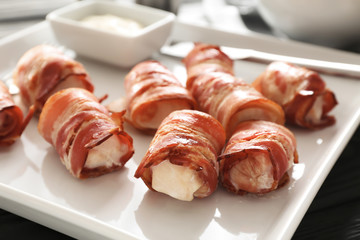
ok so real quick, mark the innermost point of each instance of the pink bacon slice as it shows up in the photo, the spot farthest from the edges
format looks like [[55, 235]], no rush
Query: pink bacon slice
[[182, 158], [257, 158], [218, 92], [206, 58], [301, 92], [89, 141], [152, 92], [12, 121], [232, 101], [43, 70]]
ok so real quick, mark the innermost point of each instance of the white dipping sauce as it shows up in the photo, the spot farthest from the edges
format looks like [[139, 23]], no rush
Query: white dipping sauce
[[112, 23]]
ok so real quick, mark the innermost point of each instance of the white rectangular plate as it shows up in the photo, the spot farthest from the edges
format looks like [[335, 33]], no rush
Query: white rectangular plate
[[34, 183]]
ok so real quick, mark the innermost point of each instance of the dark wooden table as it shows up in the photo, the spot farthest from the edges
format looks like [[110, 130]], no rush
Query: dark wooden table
[[333, 214]]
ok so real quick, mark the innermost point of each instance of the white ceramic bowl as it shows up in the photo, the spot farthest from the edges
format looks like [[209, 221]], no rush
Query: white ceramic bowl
[[325, 22], [124, 50]]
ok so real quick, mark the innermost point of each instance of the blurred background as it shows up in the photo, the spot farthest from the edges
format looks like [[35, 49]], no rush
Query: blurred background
[[332, 23]]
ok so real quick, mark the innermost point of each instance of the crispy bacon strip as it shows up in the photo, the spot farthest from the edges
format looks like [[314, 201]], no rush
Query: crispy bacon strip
[[182, 158], [43, 70], [12, 122], [206, 58], [89, 141], [152, 92], [231, 100], [301, 92], [257, 157], [218, 92]]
